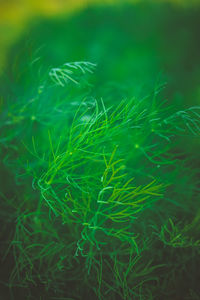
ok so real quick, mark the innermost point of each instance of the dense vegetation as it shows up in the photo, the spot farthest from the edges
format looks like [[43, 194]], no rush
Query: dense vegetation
[[99, 188]]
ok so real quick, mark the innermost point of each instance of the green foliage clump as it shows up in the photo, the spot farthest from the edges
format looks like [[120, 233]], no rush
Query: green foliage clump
[[94, 190]]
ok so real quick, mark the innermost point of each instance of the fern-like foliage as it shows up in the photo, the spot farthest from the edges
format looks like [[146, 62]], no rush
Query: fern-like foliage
[[69, 71], [95, 189]]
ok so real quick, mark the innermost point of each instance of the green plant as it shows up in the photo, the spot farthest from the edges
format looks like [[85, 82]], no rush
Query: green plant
[[91, 184]]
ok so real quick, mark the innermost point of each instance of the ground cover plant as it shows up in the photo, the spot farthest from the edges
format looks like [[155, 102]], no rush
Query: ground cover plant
[[100, 201]]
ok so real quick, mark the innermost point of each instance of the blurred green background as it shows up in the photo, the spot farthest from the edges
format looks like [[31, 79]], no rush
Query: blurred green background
[[134, 44], [137, 45]]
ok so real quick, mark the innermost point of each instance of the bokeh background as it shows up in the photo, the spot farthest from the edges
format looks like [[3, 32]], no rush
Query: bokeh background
[[136, 44], [135, 41]]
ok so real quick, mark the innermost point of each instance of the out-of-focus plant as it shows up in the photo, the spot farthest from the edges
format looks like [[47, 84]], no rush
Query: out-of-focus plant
[[17, 16]]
